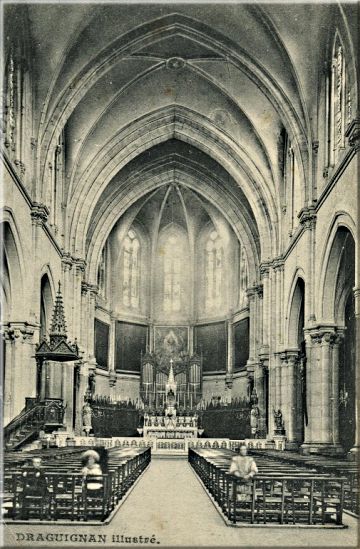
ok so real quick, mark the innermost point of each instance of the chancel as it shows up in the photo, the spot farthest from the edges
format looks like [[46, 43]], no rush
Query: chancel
[[180, 269]]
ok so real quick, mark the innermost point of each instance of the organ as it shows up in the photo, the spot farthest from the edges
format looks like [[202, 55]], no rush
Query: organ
[[154, 377]]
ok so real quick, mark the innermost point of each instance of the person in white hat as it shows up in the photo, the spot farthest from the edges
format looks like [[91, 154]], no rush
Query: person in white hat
[[91, 467]]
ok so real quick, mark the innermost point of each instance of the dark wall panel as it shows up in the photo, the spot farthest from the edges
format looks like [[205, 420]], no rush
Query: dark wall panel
[[210, 340], [130, 341], [241, 337], [101, 343]]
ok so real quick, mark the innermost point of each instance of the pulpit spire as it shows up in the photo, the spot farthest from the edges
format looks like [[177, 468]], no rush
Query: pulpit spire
[[57, 348], [58, 323]]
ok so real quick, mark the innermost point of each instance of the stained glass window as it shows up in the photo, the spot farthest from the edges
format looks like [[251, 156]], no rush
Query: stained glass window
[[243, 277], [131, 268], [340, 101], [101, 277], [172, 280], [213, 271]]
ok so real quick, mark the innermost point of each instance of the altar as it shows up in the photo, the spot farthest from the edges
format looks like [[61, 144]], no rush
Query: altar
[[170, 430], [170, 427]]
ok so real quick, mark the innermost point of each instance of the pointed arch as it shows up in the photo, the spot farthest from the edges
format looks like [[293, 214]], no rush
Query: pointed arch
[[14, 260], [295, 316], [342, 225]]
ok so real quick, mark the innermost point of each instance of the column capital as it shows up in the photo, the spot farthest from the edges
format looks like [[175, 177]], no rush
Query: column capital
[[87, 287], [307, 217], [66, 261], [39, 213], [290, 357], [264, 269], [21, 331], [352, 132], [80, 264], [325, 334], [252, 291], [229, 380], [356, 292], [278, 263], [112, 378]]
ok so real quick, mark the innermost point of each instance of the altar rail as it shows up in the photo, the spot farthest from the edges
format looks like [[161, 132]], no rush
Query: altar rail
[[285, 499], [69, 496], [63, 440]]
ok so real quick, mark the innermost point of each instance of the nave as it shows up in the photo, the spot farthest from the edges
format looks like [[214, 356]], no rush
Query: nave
[[169, 506]]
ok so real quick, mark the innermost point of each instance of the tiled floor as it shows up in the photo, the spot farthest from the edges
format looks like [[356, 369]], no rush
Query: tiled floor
[[170, 507]]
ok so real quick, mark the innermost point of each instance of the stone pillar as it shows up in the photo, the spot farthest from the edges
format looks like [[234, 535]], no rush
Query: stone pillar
[[67, 263], [91, 320], [334, 399], [20, 365], [191, 340], [81, 387], [9, 378], [39, 215], [264, 272], [307, 217], [230, 355], [67, 392], [77, 273], [278, 382], [355, 451], [290, 389], [250, 292], [259, 383], [322, 392], [112, 372]]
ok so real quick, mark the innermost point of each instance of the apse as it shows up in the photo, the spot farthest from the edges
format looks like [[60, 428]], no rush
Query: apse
[[175, 257]]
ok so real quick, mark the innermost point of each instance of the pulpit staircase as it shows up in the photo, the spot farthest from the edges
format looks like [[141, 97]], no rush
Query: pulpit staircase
[[44, 415]]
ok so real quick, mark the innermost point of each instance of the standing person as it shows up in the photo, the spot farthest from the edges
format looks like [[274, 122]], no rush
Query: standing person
[[244, 468], [34, 486]]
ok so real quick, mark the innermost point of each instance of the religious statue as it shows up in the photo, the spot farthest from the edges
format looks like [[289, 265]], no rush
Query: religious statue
[[87, 418], [279, 422], [254, 420], [91, 384]]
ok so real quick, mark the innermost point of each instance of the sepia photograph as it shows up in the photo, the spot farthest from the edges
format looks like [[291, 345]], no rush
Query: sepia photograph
[[180, 274]]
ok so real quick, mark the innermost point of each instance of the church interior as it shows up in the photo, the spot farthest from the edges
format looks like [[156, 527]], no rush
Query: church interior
[[180, 269]]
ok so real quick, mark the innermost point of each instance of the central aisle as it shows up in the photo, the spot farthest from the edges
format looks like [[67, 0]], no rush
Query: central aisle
[[170, 502]]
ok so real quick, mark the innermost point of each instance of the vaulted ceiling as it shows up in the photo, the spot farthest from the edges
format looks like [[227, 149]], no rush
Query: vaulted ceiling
[[196, 94]]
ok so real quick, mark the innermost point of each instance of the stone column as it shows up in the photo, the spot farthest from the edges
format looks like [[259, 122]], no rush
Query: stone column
[[250, 292], [334, 399], [355, 451], [78, 273], [259, 383], [9, 381], [191, 339], [230, 354], [290, 388], [92, 302], [39, 215], [81, 387], [26, 336], [264, 272], [67, 263], [307, 217], [322, 392], [67, 392], [112, 372]]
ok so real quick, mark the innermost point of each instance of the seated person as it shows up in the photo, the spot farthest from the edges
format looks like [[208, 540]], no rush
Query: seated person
[[91, 468], [243, 467], [34, 485]]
